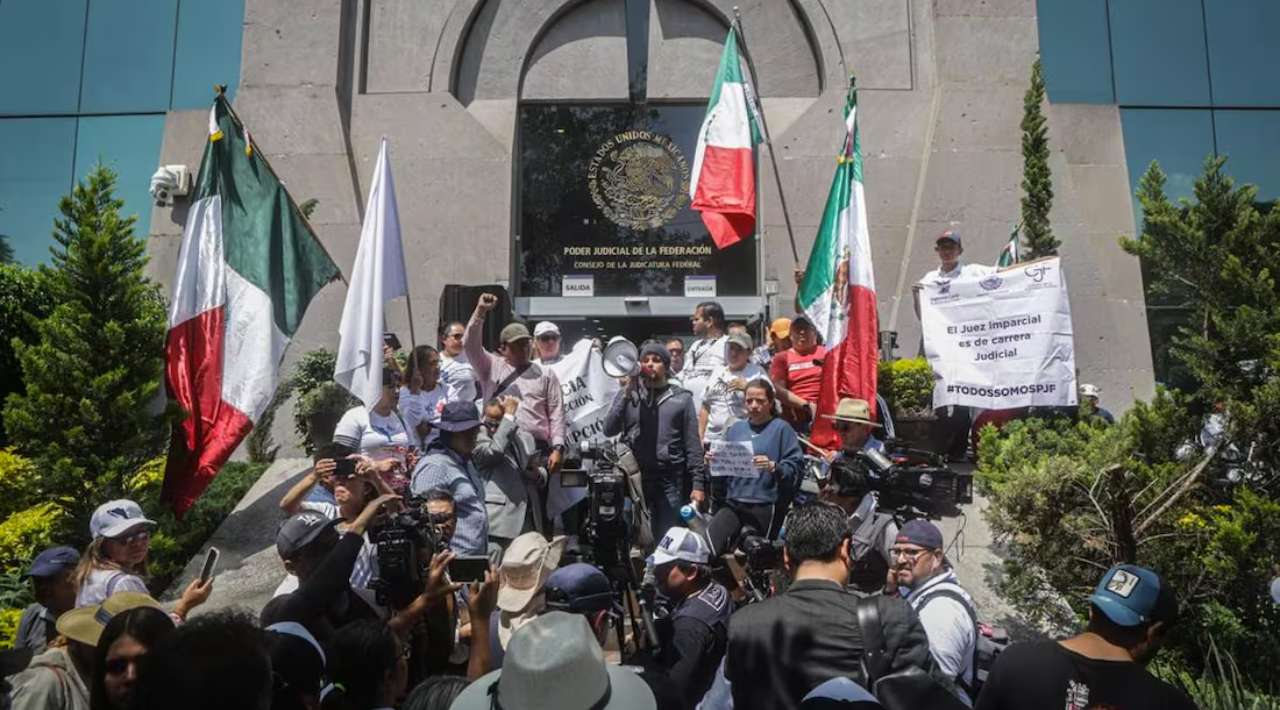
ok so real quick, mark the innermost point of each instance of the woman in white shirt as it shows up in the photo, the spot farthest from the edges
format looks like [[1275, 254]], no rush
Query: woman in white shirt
[[116, 559], [379, 433], [422, 396]]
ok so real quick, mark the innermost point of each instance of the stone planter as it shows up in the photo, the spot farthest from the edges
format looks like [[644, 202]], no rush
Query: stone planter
[[926, 432]]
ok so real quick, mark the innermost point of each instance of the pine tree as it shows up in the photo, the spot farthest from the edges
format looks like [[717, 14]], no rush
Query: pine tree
[[92, 413], [1037, 184]]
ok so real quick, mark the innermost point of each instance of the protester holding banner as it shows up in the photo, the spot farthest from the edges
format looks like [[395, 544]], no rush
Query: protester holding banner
[[513, 373], [758, 496]]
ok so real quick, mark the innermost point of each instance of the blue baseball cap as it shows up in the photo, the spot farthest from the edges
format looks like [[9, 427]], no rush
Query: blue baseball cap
[[578, 588], [1130, 595], [52, 561]]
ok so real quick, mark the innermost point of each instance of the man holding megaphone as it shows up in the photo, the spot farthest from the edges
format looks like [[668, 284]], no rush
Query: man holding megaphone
[[658, 421]]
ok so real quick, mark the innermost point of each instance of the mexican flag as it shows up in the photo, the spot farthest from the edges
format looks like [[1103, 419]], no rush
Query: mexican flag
[[723, 183], [838, 292], [248, 266], [1012, 251]]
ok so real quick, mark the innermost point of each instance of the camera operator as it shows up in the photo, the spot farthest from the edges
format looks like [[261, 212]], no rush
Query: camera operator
[[658, 421], [783, 647], [448, 466], [946, 610], [873, 531], [694, 639], [779, 462], [311, 549]]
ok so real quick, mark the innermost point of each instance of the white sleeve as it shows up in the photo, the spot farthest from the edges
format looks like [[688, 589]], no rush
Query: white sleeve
[[350, 429], [950, 633], [328, 510]]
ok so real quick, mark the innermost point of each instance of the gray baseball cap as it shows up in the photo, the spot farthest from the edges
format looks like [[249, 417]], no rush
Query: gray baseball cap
[[301, 530]]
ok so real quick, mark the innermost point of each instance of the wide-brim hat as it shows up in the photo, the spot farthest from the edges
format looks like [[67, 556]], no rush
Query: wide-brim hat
[[458, 416], [86, 623], [526, 564], [852, 410], [555, 661]]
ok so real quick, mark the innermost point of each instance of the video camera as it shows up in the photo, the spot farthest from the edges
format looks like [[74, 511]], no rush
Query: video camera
[[908, 483], [606, 482], [405, 543]]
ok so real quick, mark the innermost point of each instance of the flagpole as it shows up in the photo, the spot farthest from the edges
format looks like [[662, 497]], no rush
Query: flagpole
[[764, 128]]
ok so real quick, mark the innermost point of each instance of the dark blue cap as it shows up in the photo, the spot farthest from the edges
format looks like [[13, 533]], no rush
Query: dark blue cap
[[578, 588], [1131, 596], [920, 532], [459, 416], [52, 561]]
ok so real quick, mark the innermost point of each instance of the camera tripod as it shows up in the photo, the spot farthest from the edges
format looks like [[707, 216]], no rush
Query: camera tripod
[[611, 552]]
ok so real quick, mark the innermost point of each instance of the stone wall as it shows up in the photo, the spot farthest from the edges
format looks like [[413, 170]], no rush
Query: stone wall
[[940, 101]]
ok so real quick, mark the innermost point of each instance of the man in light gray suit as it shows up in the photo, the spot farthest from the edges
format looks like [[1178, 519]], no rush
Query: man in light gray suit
[[507, 460]]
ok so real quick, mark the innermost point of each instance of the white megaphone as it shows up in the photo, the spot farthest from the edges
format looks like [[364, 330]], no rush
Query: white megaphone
[[621, 357]]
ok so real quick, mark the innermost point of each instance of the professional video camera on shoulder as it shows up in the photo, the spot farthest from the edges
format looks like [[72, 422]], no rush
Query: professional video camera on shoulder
[[908, 482], [405, 542]]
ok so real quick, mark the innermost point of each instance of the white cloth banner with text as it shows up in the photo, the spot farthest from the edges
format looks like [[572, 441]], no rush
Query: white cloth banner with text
[[588, 392], [1001, 341]]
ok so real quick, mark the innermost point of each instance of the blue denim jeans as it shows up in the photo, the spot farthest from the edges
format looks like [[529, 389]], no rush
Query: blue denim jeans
[[664, 496]]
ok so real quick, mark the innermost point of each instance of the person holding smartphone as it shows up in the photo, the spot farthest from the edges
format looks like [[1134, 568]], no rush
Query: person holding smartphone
[[379, 432]]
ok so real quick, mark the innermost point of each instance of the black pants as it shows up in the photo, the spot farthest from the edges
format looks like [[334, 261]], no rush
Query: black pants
[[732, 517]]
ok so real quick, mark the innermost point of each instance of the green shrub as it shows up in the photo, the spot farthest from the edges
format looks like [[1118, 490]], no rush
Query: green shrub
[[312, 382], [19, 482], [24, 299], [907, 385], [28, 531], [9, 619]]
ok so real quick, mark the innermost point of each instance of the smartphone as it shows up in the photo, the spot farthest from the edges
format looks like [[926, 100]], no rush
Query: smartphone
[[344, 468], [391, 340], [210, 561], [468, 568]]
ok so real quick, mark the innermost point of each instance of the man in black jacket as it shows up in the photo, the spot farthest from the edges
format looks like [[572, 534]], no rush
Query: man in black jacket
[[658, 421], [783, 647]]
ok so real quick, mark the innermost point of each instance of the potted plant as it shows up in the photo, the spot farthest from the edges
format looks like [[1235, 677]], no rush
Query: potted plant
[[321, 402], [907, 385]]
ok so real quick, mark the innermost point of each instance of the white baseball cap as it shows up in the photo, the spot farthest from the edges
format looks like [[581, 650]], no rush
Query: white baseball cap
[[544, 328], [1087, 390], [681, 544], [116, 517]]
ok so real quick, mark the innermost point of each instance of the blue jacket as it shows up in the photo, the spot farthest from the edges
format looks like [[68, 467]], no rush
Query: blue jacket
[[778, 441]]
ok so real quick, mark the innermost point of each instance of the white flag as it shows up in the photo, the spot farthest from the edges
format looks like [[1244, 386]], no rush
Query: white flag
[[377, 277]]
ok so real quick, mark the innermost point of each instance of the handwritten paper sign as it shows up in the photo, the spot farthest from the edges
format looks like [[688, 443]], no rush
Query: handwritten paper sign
[[733, 458]]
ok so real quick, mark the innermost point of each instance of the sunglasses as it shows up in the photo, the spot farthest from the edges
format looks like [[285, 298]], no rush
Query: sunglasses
[[132, 537]]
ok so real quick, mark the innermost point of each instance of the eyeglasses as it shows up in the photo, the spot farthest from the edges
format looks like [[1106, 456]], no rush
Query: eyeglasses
[[910, 555], [129, 539]]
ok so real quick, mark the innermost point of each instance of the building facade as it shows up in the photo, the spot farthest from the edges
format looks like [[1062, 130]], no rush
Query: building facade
[[519, 129]]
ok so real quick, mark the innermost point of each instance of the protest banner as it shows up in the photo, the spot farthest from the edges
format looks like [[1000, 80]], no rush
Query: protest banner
[[1002, 340], [733, 458], [587, 393]]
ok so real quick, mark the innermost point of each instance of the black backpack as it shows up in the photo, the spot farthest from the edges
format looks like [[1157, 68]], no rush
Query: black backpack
[[907, 689], [989, 641]]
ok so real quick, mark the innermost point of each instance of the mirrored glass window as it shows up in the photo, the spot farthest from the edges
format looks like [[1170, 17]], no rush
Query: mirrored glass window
[[128, 61], [1158, 48], [208, 51], [1179, 139], [1074, 51], [40, 45], [1243, 52], [35, 172], [1250, 140], [129, 145]]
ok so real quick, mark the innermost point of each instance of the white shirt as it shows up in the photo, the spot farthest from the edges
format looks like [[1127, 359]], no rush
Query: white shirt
[[724, 404], [961, 271], [701, 361], [947, 623], [458, 378], [104, 582], [426, 406], [372, 434]]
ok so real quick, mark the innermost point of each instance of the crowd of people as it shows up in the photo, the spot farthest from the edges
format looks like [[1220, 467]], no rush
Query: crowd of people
[[866, 609]]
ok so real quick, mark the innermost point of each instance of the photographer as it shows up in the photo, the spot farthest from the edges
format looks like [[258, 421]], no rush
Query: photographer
[[694, 640], [658, 421], [448, 466], [783, 647], [312, 550], [754, 501]]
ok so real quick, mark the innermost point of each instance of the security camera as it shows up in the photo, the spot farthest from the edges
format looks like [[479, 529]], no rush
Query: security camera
[[168, 182]]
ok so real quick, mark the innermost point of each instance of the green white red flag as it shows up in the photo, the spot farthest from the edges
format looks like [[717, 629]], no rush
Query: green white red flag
[[248, 267], [722, 184], [1012, 251], [838, 292]]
